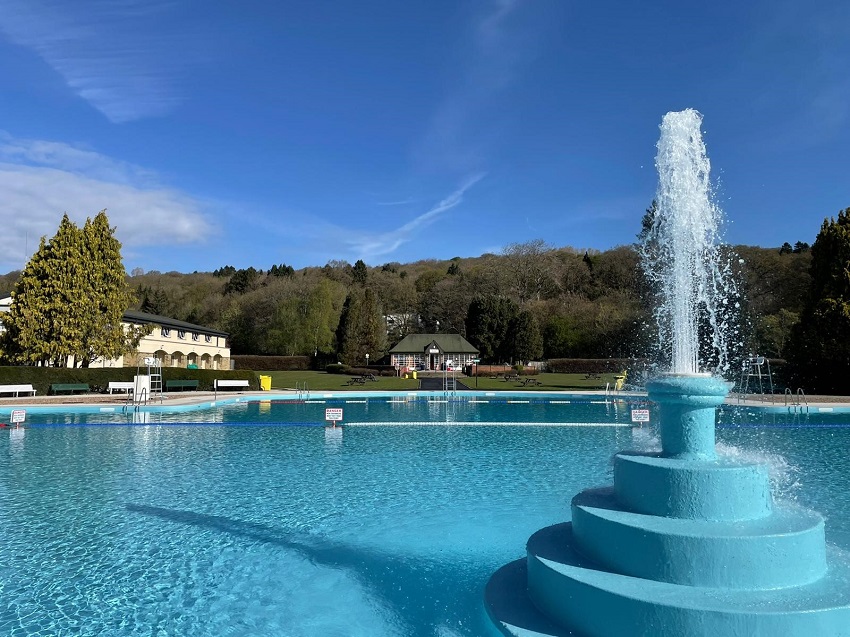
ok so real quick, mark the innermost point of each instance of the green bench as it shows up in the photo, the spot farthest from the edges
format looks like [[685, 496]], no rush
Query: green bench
[[182, 384], [71, 388]]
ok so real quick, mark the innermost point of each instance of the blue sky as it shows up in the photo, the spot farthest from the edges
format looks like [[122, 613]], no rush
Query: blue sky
[[258, 133]]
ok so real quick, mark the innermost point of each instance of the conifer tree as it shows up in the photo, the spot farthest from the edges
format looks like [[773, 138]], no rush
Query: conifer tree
[[44, 323], [105, 296], [361, 328], [820, 343], [70, 300]]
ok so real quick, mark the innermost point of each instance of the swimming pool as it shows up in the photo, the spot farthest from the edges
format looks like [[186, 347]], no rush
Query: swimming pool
[[179, 529]]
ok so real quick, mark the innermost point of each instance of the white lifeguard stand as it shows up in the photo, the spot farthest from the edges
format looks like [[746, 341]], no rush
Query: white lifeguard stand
[[756, 368], [148, 386]]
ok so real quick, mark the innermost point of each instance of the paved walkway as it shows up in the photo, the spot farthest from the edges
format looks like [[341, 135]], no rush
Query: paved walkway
[[194, 397]]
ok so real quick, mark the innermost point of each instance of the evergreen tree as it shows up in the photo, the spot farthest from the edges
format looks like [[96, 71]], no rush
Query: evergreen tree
[[45, 322], [820, 342], [361, 329], [359, 272], [527, 340], [488, 324], [104, 297], [70, 300]]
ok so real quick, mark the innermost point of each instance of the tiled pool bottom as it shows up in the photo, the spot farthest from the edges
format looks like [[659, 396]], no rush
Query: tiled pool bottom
[[271, 530]]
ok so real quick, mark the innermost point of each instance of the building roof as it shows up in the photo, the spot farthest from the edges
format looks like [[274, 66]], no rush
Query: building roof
[[143, 318], [449, 343]]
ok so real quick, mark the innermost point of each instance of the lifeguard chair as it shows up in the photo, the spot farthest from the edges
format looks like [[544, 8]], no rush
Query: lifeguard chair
[[756, 368]]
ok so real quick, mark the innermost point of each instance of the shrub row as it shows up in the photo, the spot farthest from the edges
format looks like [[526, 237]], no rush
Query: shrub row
[[271, 363], [493, 371], [593, 365], [41, 378]]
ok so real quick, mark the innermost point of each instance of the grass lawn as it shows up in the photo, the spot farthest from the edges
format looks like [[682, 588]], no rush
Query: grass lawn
[[338, 382]]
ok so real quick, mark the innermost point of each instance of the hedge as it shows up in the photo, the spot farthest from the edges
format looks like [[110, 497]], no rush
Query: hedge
[[98, 378], [271, 363]]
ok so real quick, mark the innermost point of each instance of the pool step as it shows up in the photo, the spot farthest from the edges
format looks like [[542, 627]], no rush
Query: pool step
[[573, 591], [786, 548], [705, 489]]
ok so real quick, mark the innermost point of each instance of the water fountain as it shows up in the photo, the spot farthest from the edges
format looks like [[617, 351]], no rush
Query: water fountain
[[685, 542]]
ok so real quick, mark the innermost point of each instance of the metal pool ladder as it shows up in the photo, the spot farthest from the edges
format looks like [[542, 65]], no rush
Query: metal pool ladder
[[302, 389], [797, 402]]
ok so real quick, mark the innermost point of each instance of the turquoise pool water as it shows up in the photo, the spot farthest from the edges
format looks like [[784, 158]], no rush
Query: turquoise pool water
[[274, 530]]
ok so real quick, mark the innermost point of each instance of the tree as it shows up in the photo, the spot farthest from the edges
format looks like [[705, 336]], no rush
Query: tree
[[530, 266], [361, 328], [360, 273], [70, 300], [820, 342], [488, 324], [242, 281], [527, 340], [104, 296]]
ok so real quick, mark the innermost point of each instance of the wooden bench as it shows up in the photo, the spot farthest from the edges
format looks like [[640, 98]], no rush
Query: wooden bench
[[120, 385], [231, 382], [181, 384], [71, 388], [17, 389]]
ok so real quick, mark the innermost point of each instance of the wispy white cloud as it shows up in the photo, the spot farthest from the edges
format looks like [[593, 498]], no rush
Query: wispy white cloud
[[400, 202], [39, 181], [353, 243], [122, 56], [502, 36]]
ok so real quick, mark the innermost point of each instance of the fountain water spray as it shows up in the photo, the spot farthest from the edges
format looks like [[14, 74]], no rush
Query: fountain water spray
[[682, 254]]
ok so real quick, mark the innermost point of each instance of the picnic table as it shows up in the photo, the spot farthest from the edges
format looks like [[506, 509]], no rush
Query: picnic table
[[530, 380], [509, 377], [357, 380]]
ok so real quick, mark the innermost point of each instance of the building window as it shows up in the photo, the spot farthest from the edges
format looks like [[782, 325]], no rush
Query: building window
[[166, 332], [181, 334], [207, 338], [194, 336]]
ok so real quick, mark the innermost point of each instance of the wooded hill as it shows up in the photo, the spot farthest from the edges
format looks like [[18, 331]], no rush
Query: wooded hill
[[583, 304]]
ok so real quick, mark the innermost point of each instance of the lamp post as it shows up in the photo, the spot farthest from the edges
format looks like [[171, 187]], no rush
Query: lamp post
[[475, 362], [367, 360]]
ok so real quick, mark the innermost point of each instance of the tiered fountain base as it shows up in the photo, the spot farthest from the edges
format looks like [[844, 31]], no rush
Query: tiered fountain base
[[684, 543]]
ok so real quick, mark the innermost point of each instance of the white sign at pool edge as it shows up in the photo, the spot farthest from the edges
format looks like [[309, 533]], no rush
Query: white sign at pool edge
[[640, 415], [333, 414], [18, 415]]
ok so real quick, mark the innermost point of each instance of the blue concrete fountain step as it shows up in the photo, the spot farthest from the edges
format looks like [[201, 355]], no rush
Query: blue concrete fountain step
[[574, 592], [712, 489], [786, 548]]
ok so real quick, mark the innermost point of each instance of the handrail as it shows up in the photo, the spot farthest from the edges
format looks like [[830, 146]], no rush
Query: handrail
[[801, 398], [303, 392], [788, 394]]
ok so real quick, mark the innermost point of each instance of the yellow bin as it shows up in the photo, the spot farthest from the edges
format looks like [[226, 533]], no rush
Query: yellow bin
[[414, 374], [266, 383]]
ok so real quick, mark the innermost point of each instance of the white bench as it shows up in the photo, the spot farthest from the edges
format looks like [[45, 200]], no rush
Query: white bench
[[120, 385], [17, 389], [219, 383]]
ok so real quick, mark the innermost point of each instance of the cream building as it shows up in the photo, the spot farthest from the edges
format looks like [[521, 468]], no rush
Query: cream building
[[175, 343]]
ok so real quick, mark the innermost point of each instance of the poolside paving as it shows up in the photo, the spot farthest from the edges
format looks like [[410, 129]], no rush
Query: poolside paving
[[194, 397]]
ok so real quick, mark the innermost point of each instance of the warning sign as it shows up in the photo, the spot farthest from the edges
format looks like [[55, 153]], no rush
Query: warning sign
[[18, 415], [640, 415], [333, 414]]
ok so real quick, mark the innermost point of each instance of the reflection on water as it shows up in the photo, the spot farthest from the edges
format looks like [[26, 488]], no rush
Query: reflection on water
[[333, 439]]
